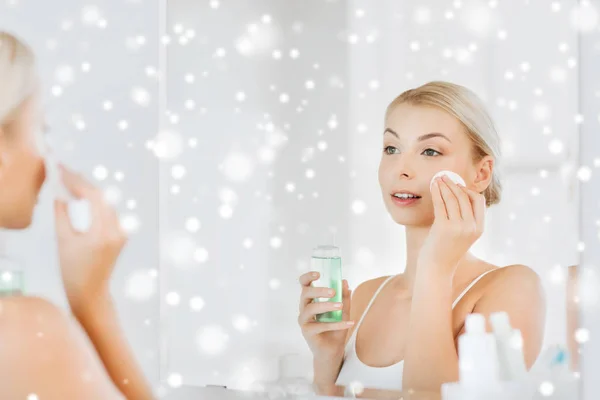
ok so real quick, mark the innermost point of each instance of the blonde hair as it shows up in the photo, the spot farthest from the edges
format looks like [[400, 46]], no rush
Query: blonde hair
[[18, 76], [468, 108]]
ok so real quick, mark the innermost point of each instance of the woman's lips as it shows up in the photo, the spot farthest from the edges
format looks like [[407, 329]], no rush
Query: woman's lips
[[405, 202]]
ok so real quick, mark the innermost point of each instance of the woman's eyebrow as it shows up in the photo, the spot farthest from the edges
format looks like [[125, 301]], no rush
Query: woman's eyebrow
[[388, 130], [422, 137], [432, 135]]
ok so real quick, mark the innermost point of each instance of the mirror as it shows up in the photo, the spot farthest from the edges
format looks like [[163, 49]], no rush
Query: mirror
[[271, 144]]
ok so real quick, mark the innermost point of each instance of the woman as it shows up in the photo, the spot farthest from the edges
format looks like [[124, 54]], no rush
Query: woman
[[45, 353], [400, 332]]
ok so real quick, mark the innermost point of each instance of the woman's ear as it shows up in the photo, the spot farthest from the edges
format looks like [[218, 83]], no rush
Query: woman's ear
[[485, 169]]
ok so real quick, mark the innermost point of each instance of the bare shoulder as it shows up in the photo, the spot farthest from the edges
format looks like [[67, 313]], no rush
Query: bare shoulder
[[514, 284], [363, 295], [24, 312], [516, 278], [365, 291], [48, 353]]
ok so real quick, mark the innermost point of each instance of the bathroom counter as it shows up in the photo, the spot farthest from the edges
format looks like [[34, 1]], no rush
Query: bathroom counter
[[210, 393]]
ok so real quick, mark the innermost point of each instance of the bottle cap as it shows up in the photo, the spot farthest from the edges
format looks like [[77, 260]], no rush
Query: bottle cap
[[475, 323], [500, 322], [326, 251]]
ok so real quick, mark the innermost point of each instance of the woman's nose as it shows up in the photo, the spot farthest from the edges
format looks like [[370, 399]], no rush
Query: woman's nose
[[404, 166]]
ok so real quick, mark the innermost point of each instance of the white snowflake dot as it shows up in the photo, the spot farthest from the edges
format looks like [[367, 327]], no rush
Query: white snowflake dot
[[201, 255], [192, 225], [178, 171], [173, 298], [582, 335], [212, 339], [546, 388], [584, 174], [275, 242], [556, 146], [175, 380], [240, 96], [100, 172], [130, 223], [241, 323], [359, 207], [140, 286], [225, 211], [196, 303], [274, 284]]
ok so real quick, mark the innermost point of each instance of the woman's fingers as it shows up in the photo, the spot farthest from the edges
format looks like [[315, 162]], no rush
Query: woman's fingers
[[315, 328], [478, 205], [76, 184], [309, 308], [308, 278], [439, 208], [309, 293], [452, 206], [464, 202], [309, 312], [61, 216], [81, 188], [346, 300]]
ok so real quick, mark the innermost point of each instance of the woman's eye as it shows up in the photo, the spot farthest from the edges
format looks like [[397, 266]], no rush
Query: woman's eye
[[432, 153], [386, 149]]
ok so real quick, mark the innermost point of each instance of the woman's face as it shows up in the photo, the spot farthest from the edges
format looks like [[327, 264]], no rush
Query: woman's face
[[22, 171], [418, 142]]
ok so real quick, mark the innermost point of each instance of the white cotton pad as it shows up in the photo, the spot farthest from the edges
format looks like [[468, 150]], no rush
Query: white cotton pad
[[79, 210], [454, 177]]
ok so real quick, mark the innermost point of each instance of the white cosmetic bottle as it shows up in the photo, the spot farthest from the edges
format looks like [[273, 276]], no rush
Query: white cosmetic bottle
[[480, 368], [478, 359], [477, 363], [511, 361]]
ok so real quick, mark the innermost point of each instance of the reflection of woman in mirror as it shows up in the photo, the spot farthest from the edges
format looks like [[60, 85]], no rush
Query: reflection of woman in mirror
[[402, 331], [44, 351]]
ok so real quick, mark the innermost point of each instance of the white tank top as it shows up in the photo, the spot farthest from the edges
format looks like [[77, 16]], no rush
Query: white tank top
[[386, 378]]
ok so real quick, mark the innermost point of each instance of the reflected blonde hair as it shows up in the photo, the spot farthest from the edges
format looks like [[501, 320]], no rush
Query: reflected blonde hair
[[467, 107], [18, 76]]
